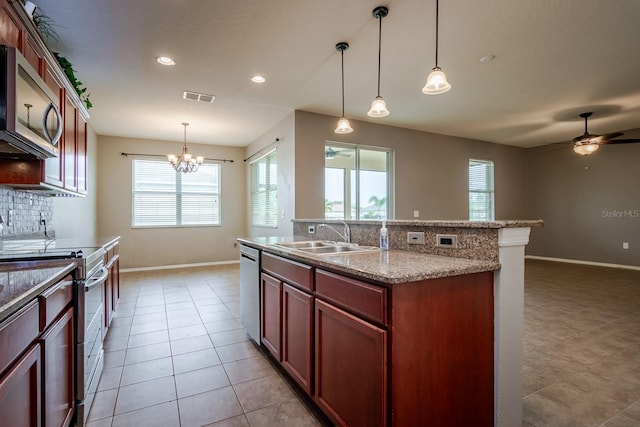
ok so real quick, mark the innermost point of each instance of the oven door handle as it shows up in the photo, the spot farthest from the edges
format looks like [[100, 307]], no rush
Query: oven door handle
[[95, 282]]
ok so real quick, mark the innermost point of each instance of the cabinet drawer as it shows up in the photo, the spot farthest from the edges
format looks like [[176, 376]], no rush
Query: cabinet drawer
[[367, 300], [17, 332], [289, 271], [54, 300]]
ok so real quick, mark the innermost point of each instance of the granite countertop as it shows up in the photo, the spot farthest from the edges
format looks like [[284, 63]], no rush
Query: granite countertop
[[439, 223], [388, 267], [21, 282]]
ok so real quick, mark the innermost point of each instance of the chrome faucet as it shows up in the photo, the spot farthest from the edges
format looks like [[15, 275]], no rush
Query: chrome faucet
[[346, 235]]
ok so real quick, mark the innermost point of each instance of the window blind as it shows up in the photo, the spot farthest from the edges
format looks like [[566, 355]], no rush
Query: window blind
[[164, 198], [264, 191], [481, 191]]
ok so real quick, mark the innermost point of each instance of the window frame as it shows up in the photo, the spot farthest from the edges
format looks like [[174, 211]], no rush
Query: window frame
[[488, 190], [348, 180], [268, 159], [178, 194]]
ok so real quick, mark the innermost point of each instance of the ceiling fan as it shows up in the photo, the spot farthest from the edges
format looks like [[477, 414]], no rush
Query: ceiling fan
[[330, 153], [588, 143]]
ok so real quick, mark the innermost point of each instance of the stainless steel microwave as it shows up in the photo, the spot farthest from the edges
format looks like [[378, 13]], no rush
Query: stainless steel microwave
[[30, 121]]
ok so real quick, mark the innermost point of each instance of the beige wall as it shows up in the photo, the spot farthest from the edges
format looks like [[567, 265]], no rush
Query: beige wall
[[431, 171], [590, 205], [75, 217], [284, 131], [147, 247]]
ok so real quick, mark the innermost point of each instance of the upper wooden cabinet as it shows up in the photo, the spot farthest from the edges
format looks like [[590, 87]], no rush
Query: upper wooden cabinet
[[68, 172]]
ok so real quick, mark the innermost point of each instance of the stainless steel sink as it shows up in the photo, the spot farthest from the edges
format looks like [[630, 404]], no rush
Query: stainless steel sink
[[306, 244], [325, 247], [338, 249]]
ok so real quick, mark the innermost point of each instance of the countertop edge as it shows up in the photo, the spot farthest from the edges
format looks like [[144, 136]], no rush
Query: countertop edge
[[515, 223], [470, 266], [15, 304]]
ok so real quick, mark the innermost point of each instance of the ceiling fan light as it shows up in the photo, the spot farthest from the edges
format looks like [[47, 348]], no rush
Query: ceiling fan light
[[585, 149], [378, 108], [436, 83], [343, 126]]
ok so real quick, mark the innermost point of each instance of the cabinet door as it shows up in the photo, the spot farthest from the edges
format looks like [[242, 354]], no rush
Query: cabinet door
[[70, 169], [271, 295], [108, 300], [351, 368], [10, 28], [114, 275], [58, 361], [20, 391], [297, 335], [81, 153]]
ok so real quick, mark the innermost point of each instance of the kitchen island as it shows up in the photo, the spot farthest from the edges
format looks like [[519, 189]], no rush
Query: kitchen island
[[400, 337]]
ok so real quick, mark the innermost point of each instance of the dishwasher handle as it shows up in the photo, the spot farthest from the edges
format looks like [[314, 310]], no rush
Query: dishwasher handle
[[94, 282], [248, 258]]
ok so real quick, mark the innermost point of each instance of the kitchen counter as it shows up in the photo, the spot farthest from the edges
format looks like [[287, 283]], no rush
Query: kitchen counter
[[20, 282], [388, 267]]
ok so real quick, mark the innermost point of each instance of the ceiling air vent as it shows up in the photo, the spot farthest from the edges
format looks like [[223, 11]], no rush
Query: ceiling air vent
[[200, 97]]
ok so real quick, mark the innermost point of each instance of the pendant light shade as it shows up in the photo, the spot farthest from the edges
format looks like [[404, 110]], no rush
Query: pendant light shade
[[343, 124], [436, 81], [378, 106]]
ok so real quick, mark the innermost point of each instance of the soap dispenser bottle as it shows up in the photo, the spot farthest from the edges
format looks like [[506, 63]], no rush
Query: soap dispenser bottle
[[384, 237]]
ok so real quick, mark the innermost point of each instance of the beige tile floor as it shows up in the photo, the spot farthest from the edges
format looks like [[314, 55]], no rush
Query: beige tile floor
[[581, 346], [177, 354]]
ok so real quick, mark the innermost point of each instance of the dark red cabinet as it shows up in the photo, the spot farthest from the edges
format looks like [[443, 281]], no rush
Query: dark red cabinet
[[297, 336], [270, 334], [20, 396]]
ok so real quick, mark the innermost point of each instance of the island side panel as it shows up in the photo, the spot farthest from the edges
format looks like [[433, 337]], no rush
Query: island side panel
[[442, 351]]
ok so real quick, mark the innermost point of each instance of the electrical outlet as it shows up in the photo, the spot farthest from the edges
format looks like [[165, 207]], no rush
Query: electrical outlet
[[625, 245], [446, 241], [416, 214], [311, 229], [415, 238]]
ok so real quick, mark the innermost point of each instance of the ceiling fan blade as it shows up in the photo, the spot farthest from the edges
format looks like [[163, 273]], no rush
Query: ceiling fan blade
[[612, 135], [621, 141]]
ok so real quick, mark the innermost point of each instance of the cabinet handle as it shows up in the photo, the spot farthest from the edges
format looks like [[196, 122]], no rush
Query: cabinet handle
[[56, 137]]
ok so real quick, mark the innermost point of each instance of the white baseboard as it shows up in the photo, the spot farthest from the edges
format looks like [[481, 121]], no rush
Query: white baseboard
[[577, 261], [171, 267]]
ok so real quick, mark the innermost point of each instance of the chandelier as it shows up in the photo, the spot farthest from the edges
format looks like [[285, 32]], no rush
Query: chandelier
[[185, 162]]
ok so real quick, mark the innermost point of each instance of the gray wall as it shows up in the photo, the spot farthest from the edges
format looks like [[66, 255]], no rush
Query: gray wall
[[148, 247], [590, 205], [431, 171]]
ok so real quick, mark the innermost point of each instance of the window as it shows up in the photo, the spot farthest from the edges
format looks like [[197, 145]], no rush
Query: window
[[164, 198], [357, 182], [481, 204], [264, 191]]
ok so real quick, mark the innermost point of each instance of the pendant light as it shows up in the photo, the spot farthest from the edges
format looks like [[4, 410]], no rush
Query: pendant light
[[437, 81], [185, 162], [343, 123], [378, 106]]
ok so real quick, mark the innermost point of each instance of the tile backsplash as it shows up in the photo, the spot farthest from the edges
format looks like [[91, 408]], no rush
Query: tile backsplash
[[26, 210]]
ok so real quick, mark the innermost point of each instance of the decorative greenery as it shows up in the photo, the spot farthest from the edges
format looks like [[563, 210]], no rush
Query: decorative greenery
[[67, 67], [46, 28]]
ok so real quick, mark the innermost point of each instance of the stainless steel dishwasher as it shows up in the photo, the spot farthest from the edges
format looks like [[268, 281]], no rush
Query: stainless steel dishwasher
[[250, 291]]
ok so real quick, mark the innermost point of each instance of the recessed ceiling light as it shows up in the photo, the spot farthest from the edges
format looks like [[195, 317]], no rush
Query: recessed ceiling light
[[165, 60], [258, 79], [487, 58]]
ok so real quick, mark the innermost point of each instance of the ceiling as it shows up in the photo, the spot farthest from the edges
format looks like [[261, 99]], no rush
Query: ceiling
[[553, 60]]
